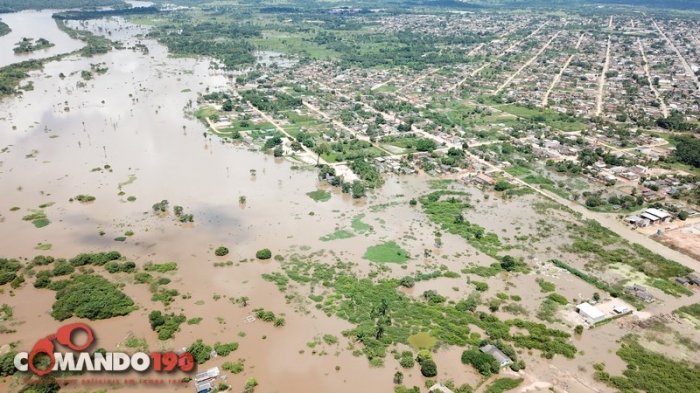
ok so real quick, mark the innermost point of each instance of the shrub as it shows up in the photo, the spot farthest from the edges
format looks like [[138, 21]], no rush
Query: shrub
[[428, 368], [263, 254], [221, 251]]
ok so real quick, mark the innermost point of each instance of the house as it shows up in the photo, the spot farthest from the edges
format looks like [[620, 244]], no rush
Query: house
[[652, 218], [662, 215], [501, 357], [590, 313], [483, 179], [207, 375], [681, 280], [645, 296]]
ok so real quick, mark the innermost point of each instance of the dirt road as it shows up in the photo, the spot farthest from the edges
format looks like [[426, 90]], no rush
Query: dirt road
[[601, 82], [527, 63], [662, 104], [545, 99], [688, 70]]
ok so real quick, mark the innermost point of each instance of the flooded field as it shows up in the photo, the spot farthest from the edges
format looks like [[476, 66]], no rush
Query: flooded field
[[124, 137]]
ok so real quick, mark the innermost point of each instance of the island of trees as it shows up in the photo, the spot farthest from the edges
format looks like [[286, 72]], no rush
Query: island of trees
[[28, 45]]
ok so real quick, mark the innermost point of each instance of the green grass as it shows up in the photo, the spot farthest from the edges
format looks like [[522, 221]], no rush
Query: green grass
[[555, 190], [41, 222], [517, 170], [439, 184], [503, 385], [386, 252], [319, 195], [546, 116], [546, 286], [120, 239], [537, 179], [339, 234], [43, 246], [360, 226]]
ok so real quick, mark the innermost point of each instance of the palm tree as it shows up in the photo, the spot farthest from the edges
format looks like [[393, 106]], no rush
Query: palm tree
[[244, 299], [279, 322], [321, 149]]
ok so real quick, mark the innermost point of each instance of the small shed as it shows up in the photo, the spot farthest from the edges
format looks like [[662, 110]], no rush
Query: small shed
[[589, 312]]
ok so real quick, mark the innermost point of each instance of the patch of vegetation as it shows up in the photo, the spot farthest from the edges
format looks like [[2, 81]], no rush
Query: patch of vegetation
[[503, 384], [194, 321], [383, 316], [84, 198], [445, 208], [38, 218], [319, 195], [386, 252], [650, 371], [234, 367], [359, 226], [546, 286], [160, 267], [339, 234], [8, 270], [265, 253], [221, 251], [92, 297], [166, 325], [43, 246]]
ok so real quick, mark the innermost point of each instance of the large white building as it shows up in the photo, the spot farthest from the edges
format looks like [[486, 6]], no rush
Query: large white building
[[590, 313]]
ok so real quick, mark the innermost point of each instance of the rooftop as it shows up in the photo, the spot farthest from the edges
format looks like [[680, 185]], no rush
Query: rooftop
[[590, 311], [501, 357]]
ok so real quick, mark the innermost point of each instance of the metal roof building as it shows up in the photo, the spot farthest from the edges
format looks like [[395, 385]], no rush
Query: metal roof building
[[589, 312]]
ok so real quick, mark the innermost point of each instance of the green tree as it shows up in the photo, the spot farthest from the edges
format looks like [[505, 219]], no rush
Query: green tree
[[200, 351], [683, 215], [428, 368], [425, 144], [398, 377], [358, 189], [508, 263], [265, 253], [579, 329], [278, 152]]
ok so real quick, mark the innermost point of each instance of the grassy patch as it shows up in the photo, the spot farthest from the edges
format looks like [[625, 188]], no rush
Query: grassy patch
[[339, 234], [517, 170], [43, 246], [503, 385], [446, 209], [120, 239], [439, 184], [546, 286], [360, 226], [319, 195], [386, 252]]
